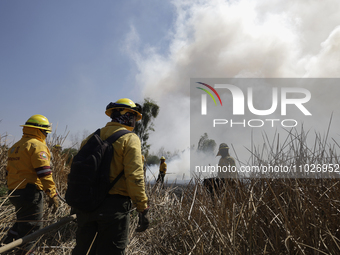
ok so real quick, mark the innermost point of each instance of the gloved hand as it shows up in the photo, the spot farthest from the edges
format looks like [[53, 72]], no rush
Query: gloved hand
[[143, 222], [53, 201]]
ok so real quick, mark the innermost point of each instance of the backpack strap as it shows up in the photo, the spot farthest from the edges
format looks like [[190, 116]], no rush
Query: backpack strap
[[114, 137]]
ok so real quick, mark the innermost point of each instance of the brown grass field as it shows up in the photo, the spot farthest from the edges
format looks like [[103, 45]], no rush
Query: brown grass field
[[248, 216]]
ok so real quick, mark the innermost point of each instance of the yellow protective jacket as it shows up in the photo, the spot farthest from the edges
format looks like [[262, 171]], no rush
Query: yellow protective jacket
[[162, 168], [29, 162], [128, 157]]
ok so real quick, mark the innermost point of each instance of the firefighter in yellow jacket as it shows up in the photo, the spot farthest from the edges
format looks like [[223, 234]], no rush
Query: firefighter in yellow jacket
[[111, 220], [29, 174], [162, 171]]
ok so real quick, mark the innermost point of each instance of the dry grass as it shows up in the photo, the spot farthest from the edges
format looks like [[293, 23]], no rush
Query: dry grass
[[261, 216], [249, 216]]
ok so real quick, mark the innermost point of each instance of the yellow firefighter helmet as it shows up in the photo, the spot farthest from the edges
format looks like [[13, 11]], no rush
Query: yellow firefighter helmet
[[38, 121], [124, 105]]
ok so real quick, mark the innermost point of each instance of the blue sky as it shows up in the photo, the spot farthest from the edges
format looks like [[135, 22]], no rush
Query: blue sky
[[68, 59]]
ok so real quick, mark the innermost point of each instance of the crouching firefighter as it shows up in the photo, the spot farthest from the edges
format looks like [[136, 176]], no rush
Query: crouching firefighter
[[105, 230]]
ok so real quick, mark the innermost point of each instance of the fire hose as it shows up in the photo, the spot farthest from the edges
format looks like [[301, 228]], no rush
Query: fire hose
[[38, 233]]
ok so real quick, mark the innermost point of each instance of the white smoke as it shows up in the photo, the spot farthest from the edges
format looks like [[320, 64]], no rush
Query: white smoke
[[245, 38]]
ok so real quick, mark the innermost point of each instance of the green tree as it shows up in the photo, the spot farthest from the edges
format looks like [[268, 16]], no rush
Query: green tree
[[167, 154], [206, 145], [145, 126], [152, 160]]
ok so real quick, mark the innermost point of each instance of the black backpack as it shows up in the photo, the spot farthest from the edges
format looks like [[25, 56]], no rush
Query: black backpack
[[88, 182]]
